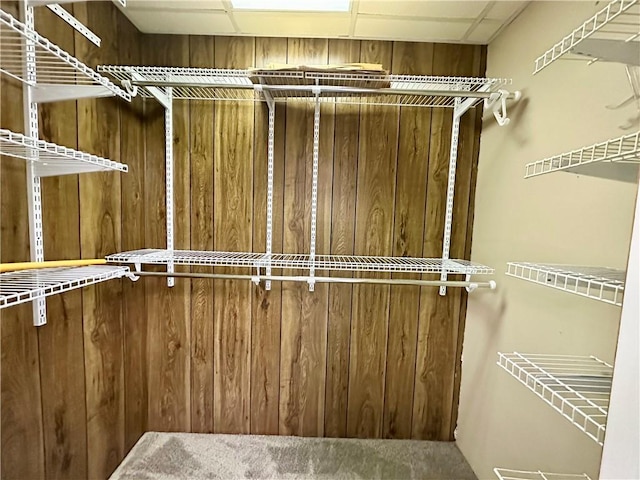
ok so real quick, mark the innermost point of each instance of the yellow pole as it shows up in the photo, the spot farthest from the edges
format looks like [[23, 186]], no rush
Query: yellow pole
[[11, 267]]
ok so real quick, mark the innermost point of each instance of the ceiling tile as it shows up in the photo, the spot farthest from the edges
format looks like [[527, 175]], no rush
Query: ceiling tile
[[504, 10], [423, 8], [484, 31], [175, 5], [410, 30], [189, 22], [293, 24]]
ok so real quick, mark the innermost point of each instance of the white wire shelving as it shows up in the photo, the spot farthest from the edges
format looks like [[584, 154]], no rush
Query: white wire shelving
[[599, 283], [56, 75], [612, 34], [51, 159], [618, 158], [577, 387], [27, 285], [508, 474]]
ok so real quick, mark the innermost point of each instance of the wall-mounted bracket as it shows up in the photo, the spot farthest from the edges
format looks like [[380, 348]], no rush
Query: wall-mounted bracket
[[497, 102], [314, 190], [75, 23]]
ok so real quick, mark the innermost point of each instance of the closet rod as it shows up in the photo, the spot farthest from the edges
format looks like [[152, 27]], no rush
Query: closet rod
[[287, 278]]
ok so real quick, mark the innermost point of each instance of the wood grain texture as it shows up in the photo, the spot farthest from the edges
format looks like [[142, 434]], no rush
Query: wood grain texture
[[413, 151], [304, 314], [201, 115], [267, 305], [345, 170], [373, 236], [168, 309], [233, 206]]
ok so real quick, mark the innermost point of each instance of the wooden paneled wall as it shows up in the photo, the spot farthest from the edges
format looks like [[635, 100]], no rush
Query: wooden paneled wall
[[121, 358]]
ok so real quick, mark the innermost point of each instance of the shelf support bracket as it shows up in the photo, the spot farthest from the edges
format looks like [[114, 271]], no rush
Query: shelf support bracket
[[168, 133], [451, 187], [270, 162], [75, 23], [36, 241], [314, 191]]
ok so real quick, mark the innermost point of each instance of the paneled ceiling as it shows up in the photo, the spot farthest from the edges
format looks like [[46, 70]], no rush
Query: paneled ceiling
[[414, 20]]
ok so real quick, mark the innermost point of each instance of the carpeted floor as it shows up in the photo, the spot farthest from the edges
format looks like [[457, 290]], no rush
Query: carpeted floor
[[169, 456]]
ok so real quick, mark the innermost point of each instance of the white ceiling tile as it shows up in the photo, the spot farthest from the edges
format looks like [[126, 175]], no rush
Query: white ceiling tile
[[284, 24], [194, 23], [503, 10], [175, 5], [409, 30], [484, 31], [423, 8]]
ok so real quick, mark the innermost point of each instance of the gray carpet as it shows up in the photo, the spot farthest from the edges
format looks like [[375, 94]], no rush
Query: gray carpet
[[169, 456]]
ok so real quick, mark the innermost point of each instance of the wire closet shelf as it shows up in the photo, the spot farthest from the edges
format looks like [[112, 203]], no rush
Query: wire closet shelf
[[599, 283], [353, 88], [612, 34], [623, 151], [27, 285], [577, 387], [508, 474], [51, 159], [53, 66]]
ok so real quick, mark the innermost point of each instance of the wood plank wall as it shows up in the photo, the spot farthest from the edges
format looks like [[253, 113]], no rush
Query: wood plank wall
[[121, 358]]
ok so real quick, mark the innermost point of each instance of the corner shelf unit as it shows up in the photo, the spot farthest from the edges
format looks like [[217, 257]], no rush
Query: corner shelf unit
[[598, 283], [576, 387], [507, 474], [612, 34], [51, 159], [617, 159], [28, 285]]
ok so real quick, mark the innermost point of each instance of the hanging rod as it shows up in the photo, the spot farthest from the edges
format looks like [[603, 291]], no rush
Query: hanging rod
[[470, 286]]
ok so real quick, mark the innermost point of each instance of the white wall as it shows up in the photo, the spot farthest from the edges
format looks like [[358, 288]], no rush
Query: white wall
[[556, 218]]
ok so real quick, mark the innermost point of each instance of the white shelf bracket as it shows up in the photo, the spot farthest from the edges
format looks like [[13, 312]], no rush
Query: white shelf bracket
[[498, 105], [270, 161], [168, 132], [314, 192], [75, 23]]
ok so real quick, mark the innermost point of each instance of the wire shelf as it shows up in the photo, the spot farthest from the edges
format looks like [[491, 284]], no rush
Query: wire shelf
[[507, 474], [576, 387], [300, 261], [221, 84], [623, 151], [27, 285], [51, 159], [600, 283], [616, 27], [54, 66]]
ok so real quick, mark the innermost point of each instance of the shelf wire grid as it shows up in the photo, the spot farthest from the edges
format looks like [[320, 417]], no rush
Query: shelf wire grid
[[508, 474], [54, 66], [27, 285], [576, 387], [300, 261], [353, 88], [599, 283], [51, 159], [618, 21], [624, 149]]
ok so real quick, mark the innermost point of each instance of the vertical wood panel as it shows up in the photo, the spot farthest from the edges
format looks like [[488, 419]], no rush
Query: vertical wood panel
[[413, 150], [304, 313], [267, 305], [345, 168], [201, 52], [233, 184], [168, 309]]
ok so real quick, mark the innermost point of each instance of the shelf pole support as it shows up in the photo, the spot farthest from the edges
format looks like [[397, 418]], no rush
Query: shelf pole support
[[314, 191], [168, 132], [270, 161], [34, 193], [451, 188]]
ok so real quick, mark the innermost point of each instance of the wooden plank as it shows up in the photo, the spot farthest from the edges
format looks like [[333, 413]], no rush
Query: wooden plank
[[438, 329], [233, 184], [267, 305], [168, 309], [100, 234], [304, 313], [201, 133], [62, 369], [373, 236], [133, 227], [21, 444], [345, 172], [411, 187]]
